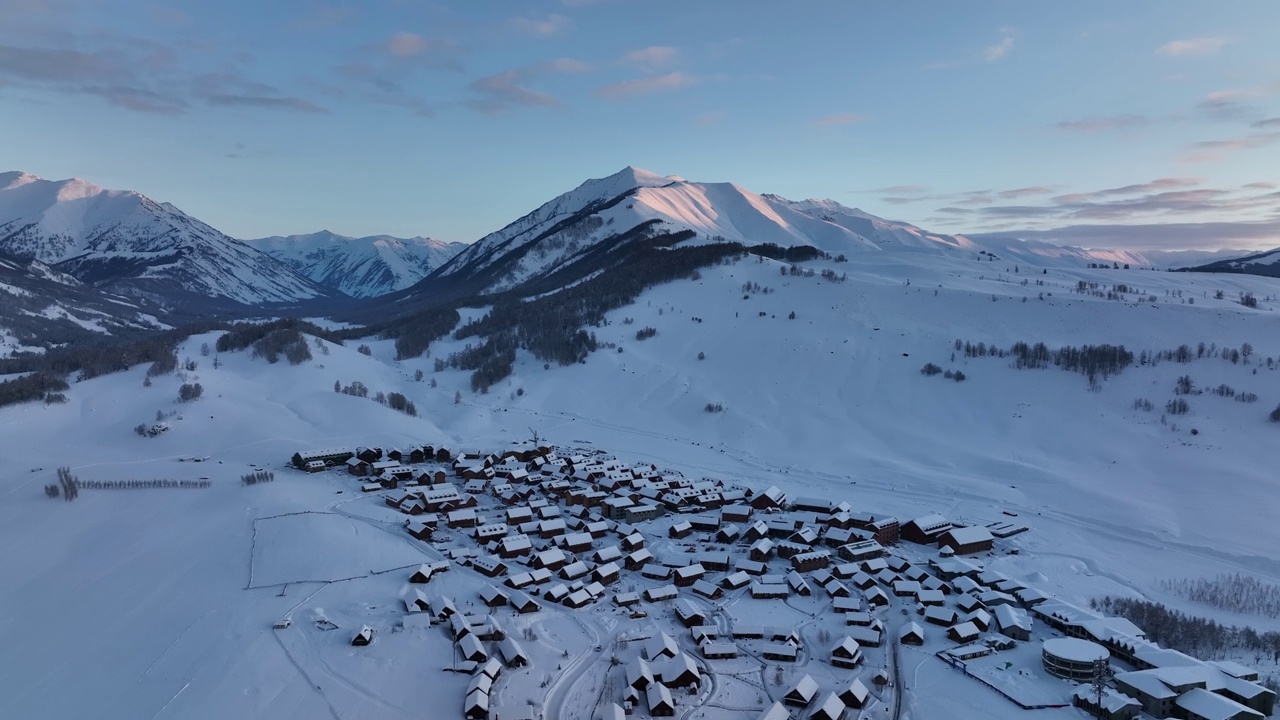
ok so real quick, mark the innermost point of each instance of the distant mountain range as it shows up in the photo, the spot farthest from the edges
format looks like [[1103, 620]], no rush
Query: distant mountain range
[[124, 242], [42, 308], [1263, 263], [636, 204], [359, 267]]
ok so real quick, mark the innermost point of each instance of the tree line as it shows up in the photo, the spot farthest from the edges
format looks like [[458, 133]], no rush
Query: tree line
[[141, 484], [1201, 637]]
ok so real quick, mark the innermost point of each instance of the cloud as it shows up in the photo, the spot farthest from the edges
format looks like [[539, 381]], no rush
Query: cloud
[[138, 75], [1268, 123], [1025, 192], [992, 53], [1155, 236], [1261, 186], [641, 86], [904, 189], [1207, 45], [139, 99], [652, 57], [838, 119], [508, 89], [1102, 124], [1216, 150], [550, 25], [1158, 184], [406, 44], [266, 102]]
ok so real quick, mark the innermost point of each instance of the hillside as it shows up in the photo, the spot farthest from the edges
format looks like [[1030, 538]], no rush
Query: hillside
[[127, 243], [42, 308], [1266, 264], [359, 267], [635, 204], [831, 403]]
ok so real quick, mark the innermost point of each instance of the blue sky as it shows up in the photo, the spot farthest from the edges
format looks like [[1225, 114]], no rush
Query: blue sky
[[1135, 124]]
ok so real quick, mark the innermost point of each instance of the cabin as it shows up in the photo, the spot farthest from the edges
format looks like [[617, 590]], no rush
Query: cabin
[[831, 708], [708, 590], [1012, 623], [911, 634], [522, 603], [421, 575], [771, 499], [639, 675], [810, 561], [967, 540], [659, 700], [659, 594], [855, 694], [661, 646], [776, 711], [688, 575], [492, 596], [637, 559], [780, 652], [712, 650], [802, 692], [476, 706], [926, 530], [846, 653], [681, 529], [767, 591], [364, 637], [677, 671], [965, 632]]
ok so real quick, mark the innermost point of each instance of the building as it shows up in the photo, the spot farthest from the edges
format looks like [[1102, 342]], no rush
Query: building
[[911, 634], [364, 637], [831, 708], [1072, 658], [659, 700], [1114, 705], [1012, 623], [846, 653], [925, 530], [967, 540], [802, 692]]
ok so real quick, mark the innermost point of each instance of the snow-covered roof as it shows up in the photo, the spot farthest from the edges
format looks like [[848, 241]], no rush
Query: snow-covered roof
[[1212, 706], [971, 535], [804, 689]]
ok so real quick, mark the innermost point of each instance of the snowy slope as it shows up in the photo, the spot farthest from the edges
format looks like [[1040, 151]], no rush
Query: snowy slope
[[360, 267], [832, 404], [41, 308], [1264, 263], [604, 209], [125, 241]]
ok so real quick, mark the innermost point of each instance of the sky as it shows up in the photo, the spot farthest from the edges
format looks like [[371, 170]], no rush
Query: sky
[[1144, 124]]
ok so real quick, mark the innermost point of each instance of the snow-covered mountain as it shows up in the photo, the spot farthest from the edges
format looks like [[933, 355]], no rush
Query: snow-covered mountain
[[1263, 263], [360, 267], [635, 203], [125, 242], [41, 308]]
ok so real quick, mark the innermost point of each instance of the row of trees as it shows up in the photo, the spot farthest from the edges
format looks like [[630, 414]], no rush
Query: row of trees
[[395, 400], [36, 386], [1233, 592], [260, 476], [142, 484], [68, 486], [1196, 636]]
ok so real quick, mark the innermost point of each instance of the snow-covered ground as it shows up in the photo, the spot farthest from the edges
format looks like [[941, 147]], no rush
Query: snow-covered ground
[[144, 599]]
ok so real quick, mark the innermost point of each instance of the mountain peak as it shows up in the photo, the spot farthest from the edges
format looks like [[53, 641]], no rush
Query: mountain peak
[[16, 178]]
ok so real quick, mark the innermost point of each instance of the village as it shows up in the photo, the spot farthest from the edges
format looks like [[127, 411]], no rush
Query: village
[[744, 602]]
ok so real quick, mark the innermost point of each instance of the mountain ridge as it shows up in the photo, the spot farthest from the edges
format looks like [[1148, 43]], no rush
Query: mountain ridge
[[125, 242], [359, 267]]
